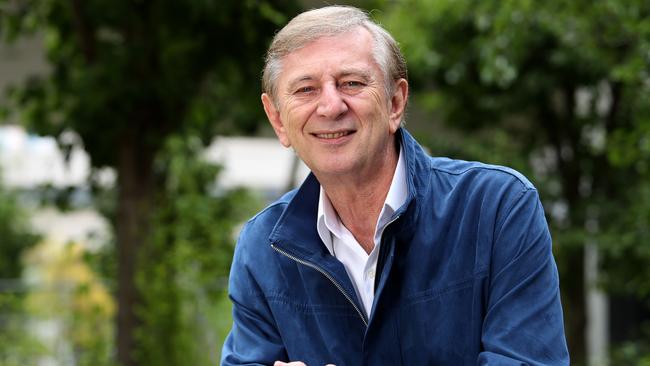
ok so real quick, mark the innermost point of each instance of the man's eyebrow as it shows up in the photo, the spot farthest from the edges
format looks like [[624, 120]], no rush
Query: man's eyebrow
[[364, 74], [294, 82]]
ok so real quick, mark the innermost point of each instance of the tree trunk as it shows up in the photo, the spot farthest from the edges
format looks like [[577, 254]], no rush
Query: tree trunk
[[136, 189], [573, 301]]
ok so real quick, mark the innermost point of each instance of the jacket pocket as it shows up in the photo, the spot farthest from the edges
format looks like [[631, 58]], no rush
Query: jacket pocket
[[442, 326], [318, 333]]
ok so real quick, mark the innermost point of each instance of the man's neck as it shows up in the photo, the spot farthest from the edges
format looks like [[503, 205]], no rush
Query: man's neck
[[359, 199]]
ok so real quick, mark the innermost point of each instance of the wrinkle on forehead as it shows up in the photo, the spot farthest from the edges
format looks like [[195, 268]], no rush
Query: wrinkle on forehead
[[363, 36]]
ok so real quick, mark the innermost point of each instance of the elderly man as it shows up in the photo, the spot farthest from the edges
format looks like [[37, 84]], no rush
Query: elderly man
[[384, 255]]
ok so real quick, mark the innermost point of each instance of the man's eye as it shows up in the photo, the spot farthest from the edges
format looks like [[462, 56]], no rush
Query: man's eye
[[352, 84], [304, 89]]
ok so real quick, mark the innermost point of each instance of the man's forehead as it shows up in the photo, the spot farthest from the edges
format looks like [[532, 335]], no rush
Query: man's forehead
[[348, 53], [306, 40], [361, 36]]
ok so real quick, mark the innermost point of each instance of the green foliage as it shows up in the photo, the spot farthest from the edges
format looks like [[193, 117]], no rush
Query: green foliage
[[627, 239], [66, 294], [121, 65], [17, 346], [221, 319], [569, 76], [632, 353], [183, 274], [148, 68], [15, 235], [133, 79]]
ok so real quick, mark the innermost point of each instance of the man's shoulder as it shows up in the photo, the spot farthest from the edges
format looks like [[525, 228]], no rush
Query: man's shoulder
[[264, 221], [274, 209], [478, 172], [452, 171]]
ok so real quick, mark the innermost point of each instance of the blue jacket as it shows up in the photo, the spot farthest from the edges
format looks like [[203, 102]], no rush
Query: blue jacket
[[465, 277]]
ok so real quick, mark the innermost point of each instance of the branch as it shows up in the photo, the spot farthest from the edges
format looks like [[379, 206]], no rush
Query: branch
[[611, 119], [86, 33]]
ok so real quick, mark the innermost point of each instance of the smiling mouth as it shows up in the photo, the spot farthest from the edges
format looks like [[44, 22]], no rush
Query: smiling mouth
[[332, 135]]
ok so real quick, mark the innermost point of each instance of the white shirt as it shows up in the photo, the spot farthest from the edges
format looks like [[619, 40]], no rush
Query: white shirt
[[340, 242]]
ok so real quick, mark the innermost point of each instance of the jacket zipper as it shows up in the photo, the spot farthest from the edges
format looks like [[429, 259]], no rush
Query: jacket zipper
[[382, 238], [387, 225], [327, 275]]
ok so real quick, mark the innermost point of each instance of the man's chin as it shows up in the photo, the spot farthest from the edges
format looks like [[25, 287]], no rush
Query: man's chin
[[334, 169]]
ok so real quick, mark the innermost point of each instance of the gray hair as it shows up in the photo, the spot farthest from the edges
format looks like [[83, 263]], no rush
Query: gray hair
[[331, 21]]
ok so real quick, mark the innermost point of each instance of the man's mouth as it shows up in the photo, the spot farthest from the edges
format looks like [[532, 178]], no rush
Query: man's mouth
[[332, 135]]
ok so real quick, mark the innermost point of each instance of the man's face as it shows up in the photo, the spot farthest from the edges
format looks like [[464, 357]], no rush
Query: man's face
[[332, 106]]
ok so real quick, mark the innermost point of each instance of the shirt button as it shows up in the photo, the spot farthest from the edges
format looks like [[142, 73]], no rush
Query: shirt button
[[371, 274]]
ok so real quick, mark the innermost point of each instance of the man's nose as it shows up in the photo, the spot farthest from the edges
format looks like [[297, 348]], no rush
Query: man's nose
[[330, 103]]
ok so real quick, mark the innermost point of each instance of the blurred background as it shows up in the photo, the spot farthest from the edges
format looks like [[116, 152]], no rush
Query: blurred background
[[133, 146]]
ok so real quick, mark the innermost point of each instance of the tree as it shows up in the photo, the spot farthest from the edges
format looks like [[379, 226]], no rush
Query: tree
[[559, 90], [180, 267], [128, 75]]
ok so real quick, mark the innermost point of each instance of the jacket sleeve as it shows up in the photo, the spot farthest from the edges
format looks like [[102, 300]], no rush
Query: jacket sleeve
[[254, 338], [523, 324]]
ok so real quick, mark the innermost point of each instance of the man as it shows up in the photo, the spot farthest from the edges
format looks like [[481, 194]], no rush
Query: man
[[384, 256]]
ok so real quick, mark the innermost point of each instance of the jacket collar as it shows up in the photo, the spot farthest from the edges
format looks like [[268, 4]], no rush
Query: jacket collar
[[295, 230]]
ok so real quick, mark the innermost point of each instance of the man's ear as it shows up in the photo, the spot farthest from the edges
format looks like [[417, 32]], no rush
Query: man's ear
[[398, 104], [273, 115]]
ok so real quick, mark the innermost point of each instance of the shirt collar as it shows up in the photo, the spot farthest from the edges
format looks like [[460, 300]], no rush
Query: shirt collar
[[328, 221], [398, 191]]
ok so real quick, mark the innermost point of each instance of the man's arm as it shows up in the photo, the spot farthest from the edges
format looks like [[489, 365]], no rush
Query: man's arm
[[523, 323], [254, 338]]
